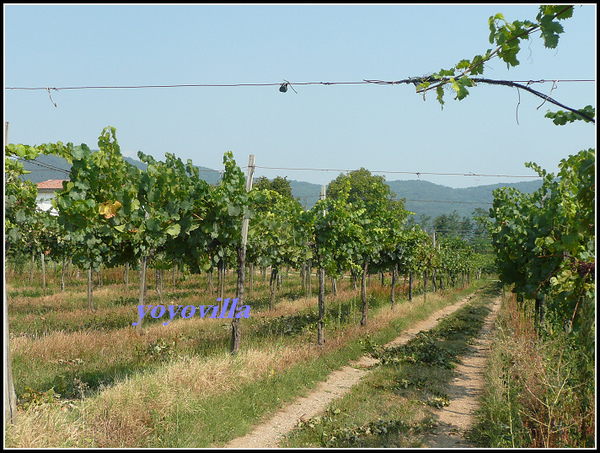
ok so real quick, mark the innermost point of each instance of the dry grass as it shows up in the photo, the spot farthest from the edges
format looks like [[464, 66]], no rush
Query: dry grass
[[131, 410], [45, 428], [122, 342], [117, 344], [126, 413], [536, 392]]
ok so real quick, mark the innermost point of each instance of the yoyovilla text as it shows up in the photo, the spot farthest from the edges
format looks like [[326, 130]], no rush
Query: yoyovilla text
[[226, 311]]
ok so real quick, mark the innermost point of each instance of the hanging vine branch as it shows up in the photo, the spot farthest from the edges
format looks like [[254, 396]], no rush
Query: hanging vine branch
[[507, 37], [419, 82]]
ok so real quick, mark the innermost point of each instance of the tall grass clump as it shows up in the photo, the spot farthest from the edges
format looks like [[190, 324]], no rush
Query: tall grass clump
[[539, 390]]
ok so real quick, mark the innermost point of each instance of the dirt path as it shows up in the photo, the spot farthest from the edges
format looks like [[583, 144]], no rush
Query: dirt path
[[268, 434], [454, 420]]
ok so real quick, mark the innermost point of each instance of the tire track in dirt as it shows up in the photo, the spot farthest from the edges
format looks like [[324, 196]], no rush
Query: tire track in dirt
[[454, 420], [339, 382]]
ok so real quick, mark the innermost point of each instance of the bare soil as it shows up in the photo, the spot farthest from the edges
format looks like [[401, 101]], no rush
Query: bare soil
[[453, 420]]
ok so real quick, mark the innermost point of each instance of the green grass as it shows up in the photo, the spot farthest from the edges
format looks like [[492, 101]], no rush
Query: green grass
[[389, 408]]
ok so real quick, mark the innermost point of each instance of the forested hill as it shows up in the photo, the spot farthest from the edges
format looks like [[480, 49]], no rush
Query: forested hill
[[422, 197], [427, 198]]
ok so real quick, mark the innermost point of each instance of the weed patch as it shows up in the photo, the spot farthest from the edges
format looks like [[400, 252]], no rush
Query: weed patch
[[539, 392], [387, 433]]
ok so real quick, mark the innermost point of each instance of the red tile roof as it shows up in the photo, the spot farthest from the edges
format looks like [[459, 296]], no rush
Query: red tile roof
[[51, 184]]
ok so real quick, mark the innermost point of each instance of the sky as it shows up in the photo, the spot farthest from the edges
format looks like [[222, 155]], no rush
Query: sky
[[390, 128]]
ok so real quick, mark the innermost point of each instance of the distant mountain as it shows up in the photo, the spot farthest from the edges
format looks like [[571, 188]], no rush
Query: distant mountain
[[54, 167], [306, 192], [427, 198], [433, 200], [45, 167], [205, 173], [422, 197]]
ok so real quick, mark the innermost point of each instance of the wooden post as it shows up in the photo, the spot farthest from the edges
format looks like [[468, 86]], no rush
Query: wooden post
[[321, 325], [43, 261], [10, 397], [363, 294], [321, 297], [142, 298], [158, 274], [393, 292], [236, 333], [63, 273], [274, 274], [308, 277], [99, 275], [90, 288], [221, 280], [249, 181], [433, 272]]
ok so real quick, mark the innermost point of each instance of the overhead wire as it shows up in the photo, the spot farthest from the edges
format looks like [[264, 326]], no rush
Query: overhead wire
[[47, 166], [470, 174], [50, 167], [451, 202], [421, 84], [415, 173], [306, 197], [364, 81], [251, 84]]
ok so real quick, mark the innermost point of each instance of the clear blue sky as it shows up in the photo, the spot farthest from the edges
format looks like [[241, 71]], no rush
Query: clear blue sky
[[339, 126]]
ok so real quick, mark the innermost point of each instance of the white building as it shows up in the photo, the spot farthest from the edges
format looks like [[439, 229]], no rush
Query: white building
[[46, 192]]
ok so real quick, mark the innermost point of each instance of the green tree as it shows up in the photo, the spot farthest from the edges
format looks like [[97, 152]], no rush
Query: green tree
[[407, 253], [448, 225], [481, 236], [19, 208], [425, 222], [230, 204], [374, 206], [280, 185], [380, 209], [19, 199], [156, 215], [364, 187], [453, 225]]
